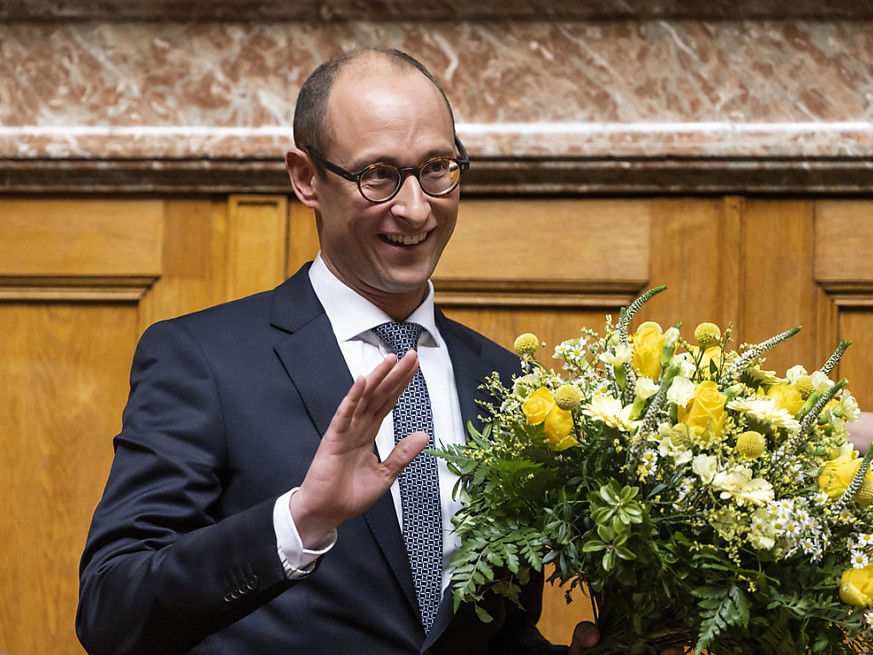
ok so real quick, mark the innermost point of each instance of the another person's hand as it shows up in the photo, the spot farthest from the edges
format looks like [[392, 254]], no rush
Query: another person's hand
[[861, 431], [586, 635], [345, 477]]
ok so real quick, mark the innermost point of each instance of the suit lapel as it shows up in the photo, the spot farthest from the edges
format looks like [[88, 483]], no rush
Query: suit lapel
[[315, 364], [469, 367]]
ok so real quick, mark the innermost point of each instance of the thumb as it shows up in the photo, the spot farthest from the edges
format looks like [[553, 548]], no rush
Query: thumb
[[406, 450]]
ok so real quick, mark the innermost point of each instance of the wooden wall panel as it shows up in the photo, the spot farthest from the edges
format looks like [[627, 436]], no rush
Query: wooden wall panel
[[80, 237], [256, 251], [61, 392], [561, 252], [844, 243], [79, 281], [302, 237], [779, 291], [193, 260], [689, 252], [843, 270]]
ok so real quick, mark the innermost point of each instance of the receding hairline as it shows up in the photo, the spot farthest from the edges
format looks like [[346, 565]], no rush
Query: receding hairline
[[374, 65], [365, 61]]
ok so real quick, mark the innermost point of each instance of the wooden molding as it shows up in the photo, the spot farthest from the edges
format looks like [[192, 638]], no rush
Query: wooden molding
[[620, 176], [849, 293], [74, 288], [540, 294]]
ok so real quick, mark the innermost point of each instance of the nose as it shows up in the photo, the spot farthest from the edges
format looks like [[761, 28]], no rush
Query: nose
[[411, 202]]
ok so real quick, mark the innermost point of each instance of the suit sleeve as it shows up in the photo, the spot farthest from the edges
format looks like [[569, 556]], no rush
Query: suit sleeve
[[162, 568]]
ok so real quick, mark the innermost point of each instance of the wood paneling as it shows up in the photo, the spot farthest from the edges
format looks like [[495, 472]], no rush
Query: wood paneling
[[844, 243], [257, 232], [547, 247], [80, 280], [95, 238], [303, 237], [61, 393]]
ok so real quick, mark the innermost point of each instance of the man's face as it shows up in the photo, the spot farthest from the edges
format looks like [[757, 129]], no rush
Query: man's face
[[385, 251]]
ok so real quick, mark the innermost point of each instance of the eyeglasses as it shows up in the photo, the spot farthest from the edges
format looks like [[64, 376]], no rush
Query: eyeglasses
[[380, 182]]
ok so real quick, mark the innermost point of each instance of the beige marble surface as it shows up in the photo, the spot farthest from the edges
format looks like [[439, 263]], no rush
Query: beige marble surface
[[551, 90], [449, 10]]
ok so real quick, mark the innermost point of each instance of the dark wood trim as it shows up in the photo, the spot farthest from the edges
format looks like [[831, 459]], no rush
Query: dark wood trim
[[487, 177]]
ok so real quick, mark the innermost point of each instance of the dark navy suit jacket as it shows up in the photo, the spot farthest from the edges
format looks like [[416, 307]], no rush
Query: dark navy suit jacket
[[225, 412]]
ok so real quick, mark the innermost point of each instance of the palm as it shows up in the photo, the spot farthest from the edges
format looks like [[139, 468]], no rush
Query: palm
[[345, 477]]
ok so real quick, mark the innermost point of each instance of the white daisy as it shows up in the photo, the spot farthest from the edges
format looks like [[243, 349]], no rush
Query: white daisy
[[766, 411]]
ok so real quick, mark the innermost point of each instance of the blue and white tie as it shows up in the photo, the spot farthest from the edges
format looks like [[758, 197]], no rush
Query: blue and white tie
[[419, 482]]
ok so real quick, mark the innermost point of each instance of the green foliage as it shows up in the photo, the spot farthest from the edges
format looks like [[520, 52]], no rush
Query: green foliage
[[720, 608], [675, 536]]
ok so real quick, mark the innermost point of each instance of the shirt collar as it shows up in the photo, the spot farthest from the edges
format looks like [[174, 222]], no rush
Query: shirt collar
[[353, 316]]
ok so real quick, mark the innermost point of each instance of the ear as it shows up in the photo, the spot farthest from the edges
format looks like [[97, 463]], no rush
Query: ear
[[303, 176]]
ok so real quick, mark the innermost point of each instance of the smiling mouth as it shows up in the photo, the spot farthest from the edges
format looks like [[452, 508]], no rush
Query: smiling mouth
[[405, 240]]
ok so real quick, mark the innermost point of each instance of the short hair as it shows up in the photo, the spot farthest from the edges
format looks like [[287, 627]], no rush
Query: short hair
[[311, 123]]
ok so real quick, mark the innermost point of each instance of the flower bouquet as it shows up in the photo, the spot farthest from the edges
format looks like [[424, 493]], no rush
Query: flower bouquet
[[696, 497]]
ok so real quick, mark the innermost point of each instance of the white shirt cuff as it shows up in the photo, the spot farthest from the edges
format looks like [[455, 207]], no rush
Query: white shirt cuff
[[297, 561]]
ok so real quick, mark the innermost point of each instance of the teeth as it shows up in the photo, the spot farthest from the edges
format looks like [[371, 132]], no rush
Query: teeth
[[406, 240]]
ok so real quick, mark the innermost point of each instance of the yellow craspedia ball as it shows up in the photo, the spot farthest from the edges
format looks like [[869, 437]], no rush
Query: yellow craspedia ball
[[864, 495], [526, 344], [707, 334], [568, 397], [750, 444], [804, 385]]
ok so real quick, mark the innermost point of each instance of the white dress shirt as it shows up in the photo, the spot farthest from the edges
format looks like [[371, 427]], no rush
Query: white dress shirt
[[352, 318]]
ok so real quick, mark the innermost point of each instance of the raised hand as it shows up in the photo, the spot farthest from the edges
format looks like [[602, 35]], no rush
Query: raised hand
[[345, 477]]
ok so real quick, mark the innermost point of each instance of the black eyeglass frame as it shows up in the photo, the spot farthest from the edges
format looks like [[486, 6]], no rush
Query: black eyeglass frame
[[463, 162]]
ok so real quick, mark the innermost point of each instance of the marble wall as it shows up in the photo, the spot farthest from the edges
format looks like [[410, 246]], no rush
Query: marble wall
[[615, 99]]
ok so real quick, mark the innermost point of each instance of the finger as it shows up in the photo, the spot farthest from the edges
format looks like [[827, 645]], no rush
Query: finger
[[382, 397], [585, 635], [345, 413], [357, 396], [406, 450]]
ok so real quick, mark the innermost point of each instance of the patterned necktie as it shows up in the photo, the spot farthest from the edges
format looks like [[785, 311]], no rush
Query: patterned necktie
[[419, 482]]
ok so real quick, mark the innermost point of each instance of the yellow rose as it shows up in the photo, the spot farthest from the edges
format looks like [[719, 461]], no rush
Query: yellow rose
[[648, 341], [786, 397], [538, 405], [837, 474], [706, 412], [539, 408], [856, 587], [558, 426]]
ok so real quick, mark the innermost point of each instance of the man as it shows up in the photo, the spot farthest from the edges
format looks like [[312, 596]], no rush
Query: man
[[246, 511]]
